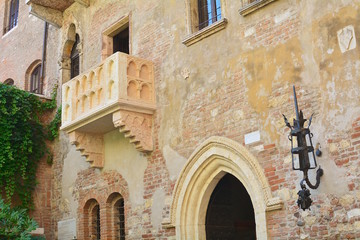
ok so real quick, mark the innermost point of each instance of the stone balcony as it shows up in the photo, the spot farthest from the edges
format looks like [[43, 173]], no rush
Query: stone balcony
[[52, 10], [118, 93]]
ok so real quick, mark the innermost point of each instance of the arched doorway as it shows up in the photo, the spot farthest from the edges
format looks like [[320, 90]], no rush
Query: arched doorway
[[211, 161], [230, 213]]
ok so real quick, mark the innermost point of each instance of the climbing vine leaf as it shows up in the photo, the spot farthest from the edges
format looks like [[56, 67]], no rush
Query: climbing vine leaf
[[23, 138]]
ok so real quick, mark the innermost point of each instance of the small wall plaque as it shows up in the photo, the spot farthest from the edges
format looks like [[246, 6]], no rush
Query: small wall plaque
[[67, 229]]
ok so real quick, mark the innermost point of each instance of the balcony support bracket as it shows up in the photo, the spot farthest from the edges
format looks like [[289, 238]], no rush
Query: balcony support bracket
[[116, 95], [90, 145], [135, 126], [52, 16]]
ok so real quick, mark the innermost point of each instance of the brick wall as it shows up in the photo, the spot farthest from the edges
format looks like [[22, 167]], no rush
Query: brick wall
[[19, 49], [232, 83]]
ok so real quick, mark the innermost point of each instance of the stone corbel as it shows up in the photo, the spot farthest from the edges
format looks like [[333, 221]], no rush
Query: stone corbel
[[65, 63], [52, 16], [274, 204], [90, 145], [137, 127]]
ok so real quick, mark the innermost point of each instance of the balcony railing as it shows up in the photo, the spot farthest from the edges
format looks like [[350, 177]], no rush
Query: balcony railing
[[119, 82]]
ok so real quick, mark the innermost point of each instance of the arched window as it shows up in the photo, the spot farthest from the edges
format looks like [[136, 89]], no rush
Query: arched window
[[95, 225], [35, 80], [91, 220], [9, 81], [13, 15], [75, 59], [116, 209], [119, 219]]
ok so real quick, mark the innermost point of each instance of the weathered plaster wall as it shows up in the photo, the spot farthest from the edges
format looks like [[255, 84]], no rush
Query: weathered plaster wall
[[121, 156], [73, 163], [232, 83]]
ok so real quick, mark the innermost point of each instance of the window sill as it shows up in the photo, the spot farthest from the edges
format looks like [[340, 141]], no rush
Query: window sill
[[42, 97], [8, 32], [251, 7], [205, 32]]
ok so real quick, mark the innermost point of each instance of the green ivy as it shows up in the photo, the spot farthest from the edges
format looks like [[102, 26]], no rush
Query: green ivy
[[23, 140], [53, 127]]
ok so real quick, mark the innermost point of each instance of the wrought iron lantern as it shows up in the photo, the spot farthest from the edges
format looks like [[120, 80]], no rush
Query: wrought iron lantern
[[303, 156]]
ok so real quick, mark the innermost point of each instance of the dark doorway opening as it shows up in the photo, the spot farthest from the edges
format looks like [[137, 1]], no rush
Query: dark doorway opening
[[230, 213], [121, 41]]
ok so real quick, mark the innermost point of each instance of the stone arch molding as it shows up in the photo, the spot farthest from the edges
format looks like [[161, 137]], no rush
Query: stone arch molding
[[205, 167], [70, 29], [28, 72]]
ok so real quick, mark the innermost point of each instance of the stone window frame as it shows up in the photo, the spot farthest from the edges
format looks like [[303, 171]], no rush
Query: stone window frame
[[249, 6], [7, 27], [29, 71], [36, 80], [88, 217], [107, 203], [111, 31], [69, 37], [192, 18]]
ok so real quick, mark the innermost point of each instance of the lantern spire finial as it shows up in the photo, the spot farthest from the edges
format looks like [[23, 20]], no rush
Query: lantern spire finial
[[296, 105]]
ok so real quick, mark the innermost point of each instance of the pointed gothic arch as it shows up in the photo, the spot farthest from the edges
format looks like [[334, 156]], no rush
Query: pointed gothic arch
[[204, 169], [29, 77], [72, 46]]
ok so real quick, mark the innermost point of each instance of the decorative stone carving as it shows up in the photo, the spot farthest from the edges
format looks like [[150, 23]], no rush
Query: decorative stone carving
[[346, 38], [90, 145], [185, 73], [136, 127], [65, 63], [119, 82], [117, 93], [273, 204]]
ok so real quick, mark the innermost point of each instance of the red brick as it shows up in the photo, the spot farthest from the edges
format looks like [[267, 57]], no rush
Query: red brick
[[355, 135]]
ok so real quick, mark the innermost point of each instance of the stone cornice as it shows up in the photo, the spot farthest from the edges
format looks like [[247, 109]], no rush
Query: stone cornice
[[251, 7]]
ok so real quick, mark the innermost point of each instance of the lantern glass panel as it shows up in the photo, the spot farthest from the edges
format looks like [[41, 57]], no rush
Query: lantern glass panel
[[294, 142], [308, 140], [295, 159], [312, 159]]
